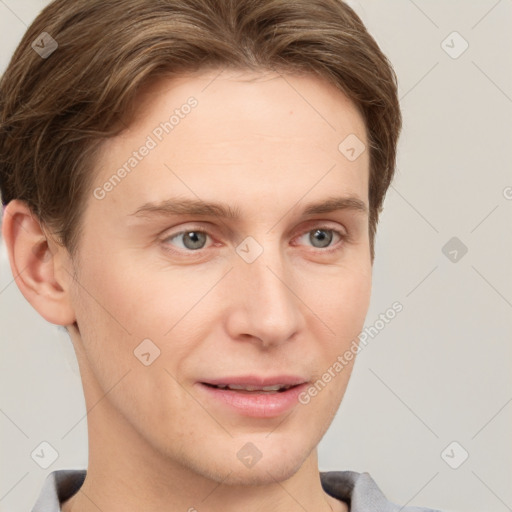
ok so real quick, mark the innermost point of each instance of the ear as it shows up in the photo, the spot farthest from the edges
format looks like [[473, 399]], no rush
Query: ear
[[43, 277]]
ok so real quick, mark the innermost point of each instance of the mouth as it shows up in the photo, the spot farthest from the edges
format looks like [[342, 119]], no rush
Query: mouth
[[254, 397], [252, 389]]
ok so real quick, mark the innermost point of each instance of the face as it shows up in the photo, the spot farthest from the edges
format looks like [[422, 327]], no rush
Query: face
[[261, 287]]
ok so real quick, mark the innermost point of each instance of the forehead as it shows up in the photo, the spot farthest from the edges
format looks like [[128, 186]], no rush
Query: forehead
[[241, 134], [306, 106]]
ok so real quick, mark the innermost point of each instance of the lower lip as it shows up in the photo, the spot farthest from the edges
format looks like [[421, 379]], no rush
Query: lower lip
[[254, 404]]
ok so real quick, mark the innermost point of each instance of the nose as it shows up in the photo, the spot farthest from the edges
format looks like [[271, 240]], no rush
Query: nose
[[264, 306]]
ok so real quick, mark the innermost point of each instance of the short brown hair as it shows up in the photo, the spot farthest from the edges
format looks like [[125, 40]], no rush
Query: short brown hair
[[56, 111]]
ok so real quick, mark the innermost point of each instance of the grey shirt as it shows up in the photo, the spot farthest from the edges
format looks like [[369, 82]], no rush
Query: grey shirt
[[358, 490]]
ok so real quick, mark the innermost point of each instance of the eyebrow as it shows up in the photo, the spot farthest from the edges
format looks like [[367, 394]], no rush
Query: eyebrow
[[220, 210]]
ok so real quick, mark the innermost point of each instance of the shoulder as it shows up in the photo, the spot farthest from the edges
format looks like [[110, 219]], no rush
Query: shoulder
[[361, 492]]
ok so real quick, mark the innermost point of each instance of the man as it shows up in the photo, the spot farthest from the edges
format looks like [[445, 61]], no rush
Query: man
[[192, 189]]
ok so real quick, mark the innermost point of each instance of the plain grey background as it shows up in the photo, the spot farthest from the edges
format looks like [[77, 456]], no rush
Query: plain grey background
[[434, 385]]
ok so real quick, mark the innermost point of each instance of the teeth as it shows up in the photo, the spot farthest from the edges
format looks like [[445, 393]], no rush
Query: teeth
[[236, 387]]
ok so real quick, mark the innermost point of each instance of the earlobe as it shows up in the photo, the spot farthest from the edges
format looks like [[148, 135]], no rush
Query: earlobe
[[39, 273]]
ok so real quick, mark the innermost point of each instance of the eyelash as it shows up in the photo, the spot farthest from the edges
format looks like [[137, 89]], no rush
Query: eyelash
[[344, 237]]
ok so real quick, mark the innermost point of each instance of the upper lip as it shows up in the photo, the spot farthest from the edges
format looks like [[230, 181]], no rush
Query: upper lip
[[255, 380]]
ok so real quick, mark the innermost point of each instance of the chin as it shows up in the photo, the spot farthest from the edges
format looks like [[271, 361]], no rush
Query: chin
[[274, 461], [264, 473], [279, 461]]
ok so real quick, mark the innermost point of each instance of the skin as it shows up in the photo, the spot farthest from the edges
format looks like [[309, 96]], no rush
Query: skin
[[263, 143]]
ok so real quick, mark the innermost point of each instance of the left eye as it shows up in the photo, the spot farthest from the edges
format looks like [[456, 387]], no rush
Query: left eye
[[321, 236]]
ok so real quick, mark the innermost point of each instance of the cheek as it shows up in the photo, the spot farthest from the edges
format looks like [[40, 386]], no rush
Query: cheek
[[341, 299], [128, 300], [115, 313], [129, 310], [109, 312]]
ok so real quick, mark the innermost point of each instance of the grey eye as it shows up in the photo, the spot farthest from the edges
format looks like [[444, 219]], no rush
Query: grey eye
[[322, 236], [192, 240]]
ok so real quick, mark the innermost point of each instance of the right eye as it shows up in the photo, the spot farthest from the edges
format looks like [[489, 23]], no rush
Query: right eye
[[190, 240]]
